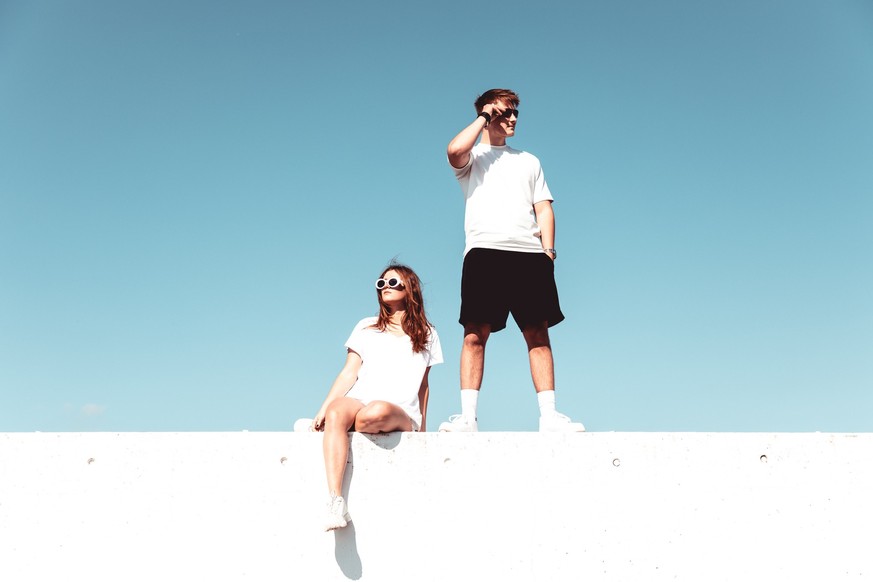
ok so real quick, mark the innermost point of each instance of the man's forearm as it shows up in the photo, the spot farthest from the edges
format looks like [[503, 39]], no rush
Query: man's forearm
[[546, 222], [460, 147]]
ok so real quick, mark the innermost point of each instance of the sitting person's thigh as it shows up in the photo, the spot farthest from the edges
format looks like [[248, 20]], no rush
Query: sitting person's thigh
[[381, 416]]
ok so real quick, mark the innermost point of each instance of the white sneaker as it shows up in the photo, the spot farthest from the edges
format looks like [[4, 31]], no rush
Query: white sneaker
[[557, 422], [303, 425], [459, 423], [337, 515]]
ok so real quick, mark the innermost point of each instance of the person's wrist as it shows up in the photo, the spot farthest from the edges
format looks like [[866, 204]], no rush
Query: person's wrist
[[486, 116], [552, 252]]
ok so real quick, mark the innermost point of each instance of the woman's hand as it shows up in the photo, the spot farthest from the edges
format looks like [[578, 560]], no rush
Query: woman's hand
[[343, 383]]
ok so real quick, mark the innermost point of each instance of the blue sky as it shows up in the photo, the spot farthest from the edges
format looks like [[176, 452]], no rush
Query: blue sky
[[196, 197]]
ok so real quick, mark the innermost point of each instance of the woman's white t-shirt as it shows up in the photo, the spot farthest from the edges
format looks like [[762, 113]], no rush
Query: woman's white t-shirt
[[391, 371]]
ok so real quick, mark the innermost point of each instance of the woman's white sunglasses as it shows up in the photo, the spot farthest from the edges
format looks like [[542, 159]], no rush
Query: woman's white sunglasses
[[393, 283]]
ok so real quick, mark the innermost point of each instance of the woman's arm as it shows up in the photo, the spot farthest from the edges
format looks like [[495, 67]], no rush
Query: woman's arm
[[423, 393], [343, 383]]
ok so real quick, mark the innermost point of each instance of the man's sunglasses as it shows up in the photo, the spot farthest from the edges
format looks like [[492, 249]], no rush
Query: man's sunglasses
[[393, 283], [509, 113]]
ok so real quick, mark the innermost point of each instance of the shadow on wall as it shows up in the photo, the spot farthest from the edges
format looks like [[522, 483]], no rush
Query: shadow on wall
[[345, 539], [346, 552]]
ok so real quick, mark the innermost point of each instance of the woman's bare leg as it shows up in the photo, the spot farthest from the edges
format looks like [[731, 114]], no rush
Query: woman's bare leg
[[379, 416], [338, 419]]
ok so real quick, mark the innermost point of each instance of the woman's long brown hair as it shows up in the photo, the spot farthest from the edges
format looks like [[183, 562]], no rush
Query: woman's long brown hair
[[415, 324]]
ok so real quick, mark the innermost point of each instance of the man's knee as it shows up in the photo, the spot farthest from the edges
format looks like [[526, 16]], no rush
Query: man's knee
[[476, 335], [537, 335]]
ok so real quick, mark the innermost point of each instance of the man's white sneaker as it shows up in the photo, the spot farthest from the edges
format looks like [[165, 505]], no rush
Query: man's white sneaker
[[557, 422], [337, 515], [459, 423]]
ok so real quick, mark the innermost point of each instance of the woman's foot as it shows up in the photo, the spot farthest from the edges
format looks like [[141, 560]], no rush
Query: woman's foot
[[337, 515]]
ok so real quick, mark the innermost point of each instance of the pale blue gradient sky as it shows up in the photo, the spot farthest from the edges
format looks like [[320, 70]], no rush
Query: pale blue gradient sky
[[196, 197]]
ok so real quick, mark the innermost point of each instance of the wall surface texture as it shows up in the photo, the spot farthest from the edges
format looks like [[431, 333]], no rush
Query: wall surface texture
[[440, 507]]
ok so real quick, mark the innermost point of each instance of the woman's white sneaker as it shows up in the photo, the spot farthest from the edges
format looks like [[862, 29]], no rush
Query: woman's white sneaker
[[337, 515], [303, 425], [557, 422]]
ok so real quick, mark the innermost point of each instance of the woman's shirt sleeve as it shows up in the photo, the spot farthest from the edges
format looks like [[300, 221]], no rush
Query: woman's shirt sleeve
[[434, 349]]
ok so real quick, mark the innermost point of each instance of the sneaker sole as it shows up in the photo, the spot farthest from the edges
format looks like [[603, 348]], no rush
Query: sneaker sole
[[333, 527]]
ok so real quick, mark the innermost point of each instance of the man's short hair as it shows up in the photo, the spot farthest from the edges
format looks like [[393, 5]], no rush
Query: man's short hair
[[494, 95]]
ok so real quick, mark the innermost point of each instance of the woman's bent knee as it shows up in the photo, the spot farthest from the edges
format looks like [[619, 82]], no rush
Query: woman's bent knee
[[341, 414]]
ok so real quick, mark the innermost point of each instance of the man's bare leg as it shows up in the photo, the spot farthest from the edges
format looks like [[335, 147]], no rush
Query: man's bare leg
[[539, 350], [542, 370], [472, 371], [473, 355]]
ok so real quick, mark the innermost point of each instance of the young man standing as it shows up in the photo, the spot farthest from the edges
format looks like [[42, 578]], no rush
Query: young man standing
[[509, 255]]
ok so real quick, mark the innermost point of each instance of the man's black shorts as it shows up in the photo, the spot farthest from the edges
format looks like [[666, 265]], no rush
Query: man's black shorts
[[496, 283]]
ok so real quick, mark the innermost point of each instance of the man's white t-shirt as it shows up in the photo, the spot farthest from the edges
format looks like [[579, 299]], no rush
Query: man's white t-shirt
[[391, 371], [501, 186]]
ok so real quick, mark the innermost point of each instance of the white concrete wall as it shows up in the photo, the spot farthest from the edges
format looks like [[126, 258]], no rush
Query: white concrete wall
[[441, 507]]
